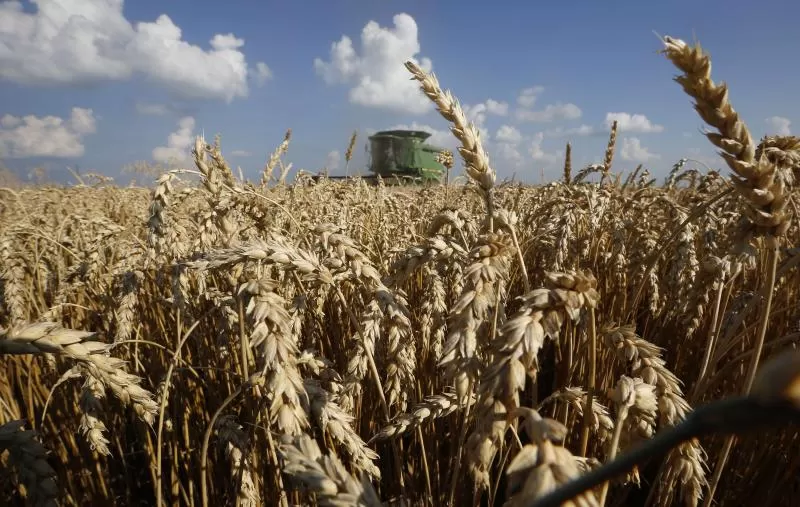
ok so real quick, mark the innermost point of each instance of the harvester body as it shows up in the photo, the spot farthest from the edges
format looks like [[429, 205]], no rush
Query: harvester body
[[403, 155]]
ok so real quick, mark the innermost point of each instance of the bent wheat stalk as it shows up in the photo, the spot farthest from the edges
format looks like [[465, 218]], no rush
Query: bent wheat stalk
[[774, 401]]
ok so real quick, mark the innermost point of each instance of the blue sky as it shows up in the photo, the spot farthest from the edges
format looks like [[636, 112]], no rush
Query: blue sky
[[98, 84]]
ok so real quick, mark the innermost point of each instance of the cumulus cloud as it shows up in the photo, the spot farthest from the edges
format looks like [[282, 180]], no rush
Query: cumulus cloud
[[632, 150], [582, 130], [513, 151], [632, 123], [779, 125], [82, 121], [377, 75], [332, 160], [496, 107], [262, 73], [508, 134], [477, 113], [89, 41], [179, 143], [48, 136], [551, 112], [505, 149], [507, 157], [537, 153], [528, 98]]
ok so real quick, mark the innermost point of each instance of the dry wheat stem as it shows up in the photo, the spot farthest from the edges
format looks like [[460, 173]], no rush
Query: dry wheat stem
[[590, 384], [759, 181], [163, 405], [768, 292], [207, 440], [775, 399]]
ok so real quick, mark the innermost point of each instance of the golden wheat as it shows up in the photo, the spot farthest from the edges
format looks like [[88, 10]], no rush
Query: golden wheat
[[341, 343]]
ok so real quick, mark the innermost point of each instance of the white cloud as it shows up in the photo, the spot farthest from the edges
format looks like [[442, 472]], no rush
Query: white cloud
[[505, 150], [48, 136], [240, 153], [527, 97], [179, 143], [779, 126], [583, 130], [263, 73], [632, 150], [332, 160], [509, 158], [496, 107], [477, 113], [82, 121], [377, 75], [508, 134], [551, 112], [632, 123], [537, 153], [89, 41], [513, 152]]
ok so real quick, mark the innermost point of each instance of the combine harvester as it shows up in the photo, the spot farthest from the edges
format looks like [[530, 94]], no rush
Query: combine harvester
[[400, 157]]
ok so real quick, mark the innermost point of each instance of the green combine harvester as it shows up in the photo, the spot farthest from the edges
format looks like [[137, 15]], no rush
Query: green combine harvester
[[401, 157]]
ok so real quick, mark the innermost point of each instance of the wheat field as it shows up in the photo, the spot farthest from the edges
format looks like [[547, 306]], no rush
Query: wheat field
[[212, 341]]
